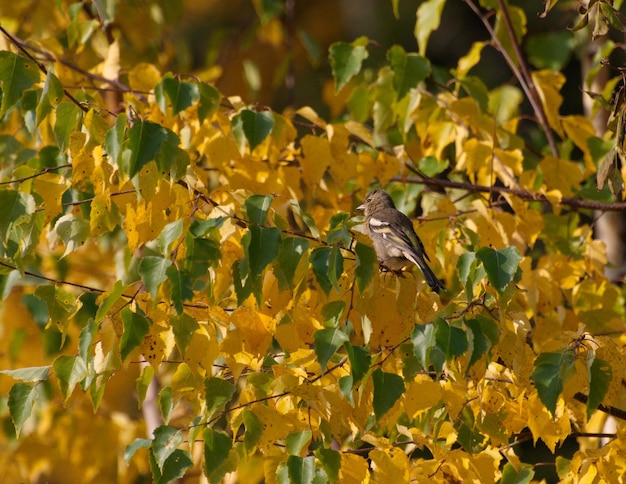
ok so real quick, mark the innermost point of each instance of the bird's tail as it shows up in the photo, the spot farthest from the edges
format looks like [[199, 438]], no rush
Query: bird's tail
[[432, 280]]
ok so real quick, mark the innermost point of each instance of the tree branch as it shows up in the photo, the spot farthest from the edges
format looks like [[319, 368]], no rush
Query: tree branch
[[523, 194], [521, 72]]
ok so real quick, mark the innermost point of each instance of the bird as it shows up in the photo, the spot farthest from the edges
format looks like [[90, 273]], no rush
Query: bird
[[394, 239]]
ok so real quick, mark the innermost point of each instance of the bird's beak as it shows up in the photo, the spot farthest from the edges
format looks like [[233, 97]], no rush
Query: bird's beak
[[361, 207]]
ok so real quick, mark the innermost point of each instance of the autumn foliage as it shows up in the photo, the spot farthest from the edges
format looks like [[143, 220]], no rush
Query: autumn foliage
[[187, 293]]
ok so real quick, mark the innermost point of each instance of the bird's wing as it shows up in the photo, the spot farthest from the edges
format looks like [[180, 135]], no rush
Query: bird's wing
[[390, 225]]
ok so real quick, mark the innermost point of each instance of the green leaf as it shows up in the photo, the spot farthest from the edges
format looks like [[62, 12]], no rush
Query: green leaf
[[450, 339], [17, 207], [483, 333], [408, 70], [289, 255], [51, 96], [144, 142], [600, 376], [388, 387], [173, 468], [21, 400], [166, 441], [218, 393], [331, 461], [335, 266], [143, 382], [423, 339], [254, 430], [510, 475], [428, 19], [114, 139], [332, 312], [551, 50], [17, 74], [366, 265], [68, 120], [183, 327], [153, 272], [180, 94], [166, 403], [360, 361], [136, 327], [501, 265], [69, 370], [339, 230], [301, 470], [256, 208], [432, 166], [217, 446], [30, 374], [551, 370], [261, 246], [85, 339], [137, 444], [109, 300], [73, 231], [181, 289], [254, 126], [327, 341], [346, 60], [170, 234], [210, 99], [296, 441], [470, 272]]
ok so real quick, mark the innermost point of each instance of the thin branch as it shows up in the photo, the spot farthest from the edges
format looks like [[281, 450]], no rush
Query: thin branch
[[521, 72], [55, 281], [608, 409], [523, 194], [42, 172]]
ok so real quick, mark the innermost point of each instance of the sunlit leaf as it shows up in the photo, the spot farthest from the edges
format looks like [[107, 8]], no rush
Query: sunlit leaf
[[256, 208], [29, 374], [180, 94], [69, 370], [428, 19], [296, 442], [346, 60]]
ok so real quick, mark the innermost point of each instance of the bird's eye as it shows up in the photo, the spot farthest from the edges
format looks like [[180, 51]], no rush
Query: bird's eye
[[368, 200]]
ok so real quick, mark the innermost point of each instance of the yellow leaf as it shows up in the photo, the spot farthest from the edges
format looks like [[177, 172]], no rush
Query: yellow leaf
[[543, 426], [143, 77], [316, 158], [310, 115], [148, 180], [579, 129], [422, 394], [101, 219], [354, 469], [549, 83], [202, 351], [562, 175], [344, 162], [391, 465], [475, 159], [256, 329], [469, 60], [51, 187], [157, 344]]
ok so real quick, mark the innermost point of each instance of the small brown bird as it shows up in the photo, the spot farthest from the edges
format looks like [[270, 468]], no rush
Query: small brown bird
[[393, 236]]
